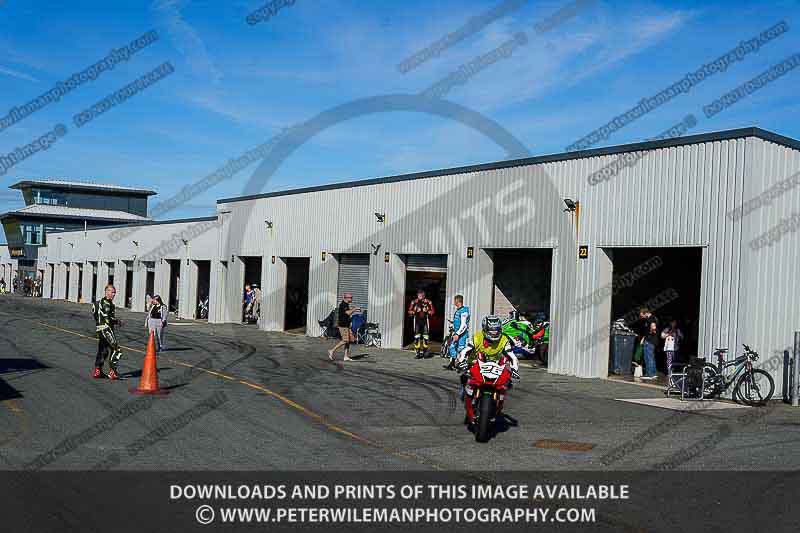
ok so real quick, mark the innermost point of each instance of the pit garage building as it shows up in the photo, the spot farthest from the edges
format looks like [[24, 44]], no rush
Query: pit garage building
[[583, 238]]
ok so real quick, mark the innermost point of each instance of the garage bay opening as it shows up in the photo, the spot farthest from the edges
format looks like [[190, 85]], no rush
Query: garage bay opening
[[128, 284], [149, 282], [427, 272], [251, 309], [297, 275], [110, 269], [174, 284], [203, 289], [80, 282], [93, 266], [667, 282], [521, 285], [66, 293]]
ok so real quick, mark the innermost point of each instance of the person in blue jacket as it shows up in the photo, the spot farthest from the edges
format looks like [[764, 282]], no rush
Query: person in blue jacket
[[460, 330]]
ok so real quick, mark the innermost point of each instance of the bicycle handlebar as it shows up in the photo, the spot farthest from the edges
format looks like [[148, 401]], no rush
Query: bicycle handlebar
[[749, 351]]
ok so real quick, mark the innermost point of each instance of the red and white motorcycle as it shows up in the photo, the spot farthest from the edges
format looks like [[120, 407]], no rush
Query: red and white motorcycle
[[487, 383]]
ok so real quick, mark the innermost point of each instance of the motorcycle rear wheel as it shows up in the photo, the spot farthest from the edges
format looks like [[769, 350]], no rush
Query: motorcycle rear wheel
[[485, 405]]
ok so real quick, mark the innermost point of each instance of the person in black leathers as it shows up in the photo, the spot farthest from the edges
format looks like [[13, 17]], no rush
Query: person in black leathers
[[107, 345]]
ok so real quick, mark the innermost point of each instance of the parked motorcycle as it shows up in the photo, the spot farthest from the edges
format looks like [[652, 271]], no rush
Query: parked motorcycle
[[541, 340], [486, 378], [529, 339]]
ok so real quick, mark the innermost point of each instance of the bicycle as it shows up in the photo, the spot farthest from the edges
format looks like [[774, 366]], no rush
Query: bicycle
[[753, 386]]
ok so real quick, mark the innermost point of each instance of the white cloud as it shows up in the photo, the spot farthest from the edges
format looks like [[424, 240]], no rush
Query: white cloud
[[185, 38], [17, 74]]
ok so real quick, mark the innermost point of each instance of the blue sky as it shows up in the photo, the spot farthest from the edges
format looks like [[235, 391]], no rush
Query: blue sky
[[236, 85]]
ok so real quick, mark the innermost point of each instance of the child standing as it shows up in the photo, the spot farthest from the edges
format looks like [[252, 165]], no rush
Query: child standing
[[672, 336]]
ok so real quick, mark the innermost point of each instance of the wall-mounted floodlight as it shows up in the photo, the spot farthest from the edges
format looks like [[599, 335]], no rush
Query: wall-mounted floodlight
[[99, 243], [381, 217], [375, 248], [571, 204], [185, 242], [135, 243], [268, 223]]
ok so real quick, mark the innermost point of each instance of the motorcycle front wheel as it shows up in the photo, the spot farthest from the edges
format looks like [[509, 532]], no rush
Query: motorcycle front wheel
[[485, 406]]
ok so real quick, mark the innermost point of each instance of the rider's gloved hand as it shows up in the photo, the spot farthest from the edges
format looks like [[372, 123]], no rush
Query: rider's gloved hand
[[514, 374]]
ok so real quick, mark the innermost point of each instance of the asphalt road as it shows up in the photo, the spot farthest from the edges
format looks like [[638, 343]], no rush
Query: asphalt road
[[243, 399]]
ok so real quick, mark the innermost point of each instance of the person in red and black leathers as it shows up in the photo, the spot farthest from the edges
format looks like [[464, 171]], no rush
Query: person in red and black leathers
[[421, 309]]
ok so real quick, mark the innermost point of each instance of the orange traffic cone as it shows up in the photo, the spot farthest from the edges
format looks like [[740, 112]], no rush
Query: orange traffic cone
[[149, 382]]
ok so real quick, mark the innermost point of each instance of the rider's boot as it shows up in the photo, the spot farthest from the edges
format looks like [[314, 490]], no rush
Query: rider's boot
[[470, 416], [418, 346], [499, 412]]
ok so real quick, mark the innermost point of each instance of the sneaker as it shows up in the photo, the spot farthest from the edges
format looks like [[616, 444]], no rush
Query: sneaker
[[330, 355], [112, 374], [648, 377], [98, 374], [347, 358]]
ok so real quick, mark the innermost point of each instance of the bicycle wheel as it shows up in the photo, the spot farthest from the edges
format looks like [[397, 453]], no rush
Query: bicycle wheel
[[755, 388]]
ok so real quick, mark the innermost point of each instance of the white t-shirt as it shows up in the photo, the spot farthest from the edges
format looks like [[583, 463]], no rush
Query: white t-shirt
[[671, 339]]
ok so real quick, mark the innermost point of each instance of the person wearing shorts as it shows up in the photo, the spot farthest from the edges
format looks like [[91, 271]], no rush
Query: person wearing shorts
[[344, 321]]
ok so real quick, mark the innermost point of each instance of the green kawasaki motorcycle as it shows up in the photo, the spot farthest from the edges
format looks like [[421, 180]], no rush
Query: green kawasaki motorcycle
[[530, 339]]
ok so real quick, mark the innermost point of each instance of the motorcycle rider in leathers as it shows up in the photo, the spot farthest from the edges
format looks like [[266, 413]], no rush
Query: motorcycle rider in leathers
[[107, 345], [489, 344], [421, 309], [461, 319]]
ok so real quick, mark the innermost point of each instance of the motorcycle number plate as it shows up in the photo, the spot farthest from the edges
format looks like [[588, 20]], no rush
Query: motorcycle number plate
[[491, 370]]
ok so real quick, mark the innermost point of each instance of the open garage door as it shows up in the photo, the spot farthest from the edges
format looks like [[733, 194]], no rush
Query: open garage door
[[68, 267], [94, 280], [251, 311], [80, 282], [297, 275], [354, 278], [174, 284], [521, 283], [128, 301], [149, 283], [666, 281], [203, 289], [427, 272]]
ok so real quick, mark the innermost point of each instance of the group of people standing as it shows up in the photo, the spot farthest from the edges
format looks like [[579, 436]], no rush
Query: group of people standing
[[251, 303], [27, 286], [105, 316], [421, 310], [651, 336]]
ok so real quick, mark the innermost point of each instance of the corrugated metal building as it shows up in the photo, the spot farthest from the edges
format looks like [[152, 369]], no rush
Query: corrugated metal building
[[656, 228], [151, 258], [8, 266]]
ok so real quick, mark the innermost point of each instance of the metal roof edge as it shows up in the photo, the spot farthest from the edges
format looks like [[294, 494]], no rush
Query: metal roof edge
[[142, 223], [100, 187], [723, 135]]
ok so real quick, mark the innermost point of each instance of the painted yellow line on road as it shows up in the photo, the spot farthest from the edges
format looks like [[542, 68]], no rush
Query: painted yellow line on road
[[11, 405], [283, 399]]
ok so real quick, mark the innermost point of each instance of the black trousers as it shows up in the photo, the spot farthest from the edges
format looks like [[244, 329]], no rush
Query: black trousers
[[107, 348]]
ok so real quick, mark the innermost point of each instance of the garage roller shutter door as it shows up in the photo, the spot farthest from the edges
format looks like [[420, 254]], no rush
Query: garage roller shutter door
[[426, 263], [354, 278]]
